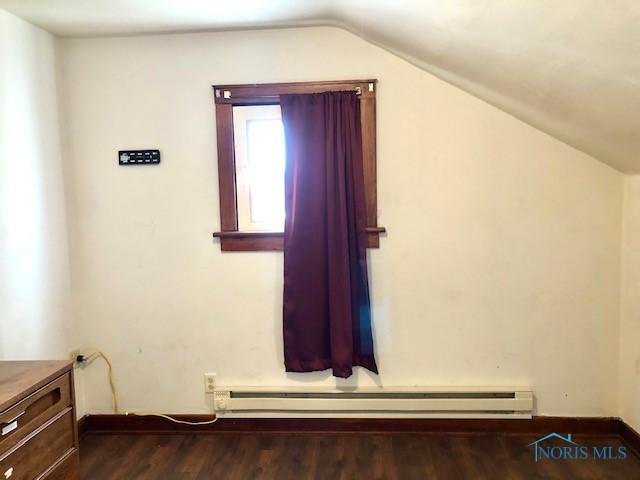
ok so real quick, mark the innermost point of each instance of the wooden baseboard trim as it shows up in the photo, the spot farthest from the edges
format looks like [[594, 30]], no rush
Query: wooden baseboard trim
[[82, 426], [111, 424], [630, 436]]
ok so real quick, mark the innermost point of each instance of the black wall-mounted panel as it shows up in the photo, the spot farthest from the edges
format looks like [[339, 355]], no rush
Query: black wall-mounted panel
[[138, 157]]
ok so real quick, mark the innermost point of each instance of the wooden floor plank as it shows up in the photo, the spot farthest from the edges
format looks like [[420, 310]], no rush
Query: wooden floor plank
[[268, 456]]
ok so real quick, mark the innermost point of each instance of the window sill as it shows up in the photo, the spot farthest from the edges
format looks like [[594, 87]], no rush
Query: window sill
[[234, 241]]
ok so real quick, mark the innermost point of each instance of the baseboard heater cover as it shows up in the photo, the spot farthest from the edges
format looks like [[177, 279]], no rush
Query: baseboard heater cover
[[391, 402]]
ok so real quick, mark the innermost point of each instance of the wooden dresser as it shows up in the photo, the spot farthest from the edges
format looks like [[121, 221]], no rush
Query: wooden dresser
[[39, 434]]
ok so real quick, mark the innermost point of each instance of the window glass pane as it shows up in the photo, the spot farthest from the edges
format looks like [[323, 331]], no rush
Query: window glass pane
[[260, 160], [266, 156]]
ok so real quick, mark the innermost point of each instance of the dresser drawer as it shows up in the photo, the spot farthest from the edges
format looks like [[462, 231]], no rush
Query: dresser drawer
[[67, 469], [28, 414], [41, 450]]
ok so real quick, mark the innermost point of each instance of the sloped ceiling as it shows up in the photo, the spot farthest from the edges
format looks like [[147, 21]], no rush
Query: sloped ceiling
[[570, 68]]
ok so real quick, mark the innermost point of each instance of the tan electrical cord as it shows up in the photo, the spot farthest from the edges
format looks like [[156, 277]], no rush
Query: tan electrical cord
[[114, 395], [174, 420]]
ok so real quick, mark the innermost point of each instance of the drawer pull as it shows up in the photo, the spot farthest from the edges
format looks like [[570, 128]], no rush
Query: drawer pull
[[11, 425], [8, 473]]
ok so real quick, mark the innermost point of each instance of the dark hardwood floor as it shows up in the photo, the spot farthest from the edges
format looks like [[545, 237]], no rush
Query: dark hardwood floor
[[338, 456]]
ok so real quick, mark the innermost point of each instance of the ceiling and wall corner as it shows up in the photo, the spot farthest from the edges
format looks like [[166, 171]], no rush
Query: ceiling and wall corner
[[571, 69]]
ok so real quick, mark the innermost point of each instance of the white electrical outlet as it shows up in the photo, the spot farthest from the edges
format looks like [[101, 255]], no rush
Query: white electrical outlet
[[209, 382]]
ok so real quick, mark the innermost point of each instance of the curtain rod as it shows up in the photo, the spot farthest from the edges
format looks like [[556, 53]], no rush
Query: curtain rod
[[227, 93]]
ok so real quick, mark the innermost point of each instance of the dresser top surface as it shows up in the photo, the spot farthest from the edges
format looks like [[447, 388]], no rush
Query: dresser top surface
[[21, 378]]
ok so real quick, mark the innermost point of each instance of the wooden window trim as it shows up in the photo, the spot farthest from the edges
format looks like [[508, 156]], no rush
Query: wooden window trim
[[228, 96]]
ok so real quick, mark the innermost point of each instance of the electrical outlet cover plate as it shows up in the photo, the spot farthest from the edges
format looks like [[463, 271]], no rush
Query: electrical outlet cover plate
[[209, 382]]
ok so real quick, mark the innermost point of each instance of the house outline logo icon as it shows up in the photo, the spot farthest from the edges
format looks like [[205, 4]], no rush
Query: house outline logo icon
[[537, 448], [570, 450]]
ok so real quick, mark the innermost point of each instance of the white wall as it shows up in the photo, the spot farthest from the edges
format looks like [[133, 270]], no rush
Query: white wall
[[35, 306], [630, 325], [502, 263]]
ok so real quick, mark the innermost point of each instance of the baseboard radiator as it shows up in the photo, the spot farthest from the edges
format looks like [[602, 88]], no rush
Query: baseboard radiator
[[383, 402]]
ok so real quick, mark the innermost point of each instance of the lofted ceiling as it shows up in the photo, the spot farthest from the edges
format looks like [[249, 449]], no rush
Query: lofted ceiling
[[570, 68]]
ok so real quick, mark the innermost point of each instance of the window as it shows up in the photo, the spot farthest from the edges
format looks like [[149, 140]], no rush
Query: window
[[251, 159]]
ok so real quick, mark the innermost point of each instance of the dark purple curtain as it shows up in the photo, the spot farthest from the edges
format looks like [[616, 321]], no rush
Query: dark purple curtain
[[327, 314]]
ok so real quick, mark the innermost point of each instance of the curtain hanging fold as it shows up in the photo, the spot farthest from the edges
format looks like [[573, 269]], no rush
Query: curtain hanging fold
[[326, 305]]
